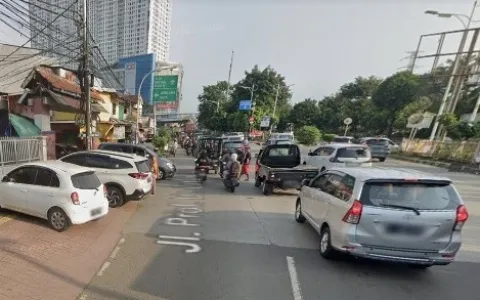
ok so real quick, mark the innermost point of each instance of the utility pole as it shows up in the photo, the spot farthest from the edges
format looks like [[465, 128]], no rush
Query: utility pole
[[227, 94], [86, 78]]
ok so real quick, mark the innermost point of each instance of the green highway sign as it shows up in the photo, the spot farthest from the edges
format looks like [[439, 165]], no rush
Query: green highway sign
[[165, 88]]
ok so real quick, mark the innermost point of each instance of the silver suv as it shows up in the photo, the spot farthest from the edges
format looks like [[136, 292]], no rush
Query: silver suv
[[397, 215]]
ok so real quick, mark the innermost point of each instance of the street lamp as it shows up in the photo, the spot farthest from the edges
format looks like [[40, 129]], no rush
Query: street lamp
[[277, 89], [457, 58], [139, 96]]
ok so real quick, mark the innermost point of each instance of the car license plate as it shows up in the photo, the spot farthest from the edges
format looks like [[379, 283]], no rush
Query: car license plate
[[404, 229], [95, 212]]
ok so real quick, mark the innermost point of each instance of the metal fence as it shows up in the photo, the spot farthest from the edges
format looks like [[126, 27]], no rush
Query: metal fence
[[16, 150]]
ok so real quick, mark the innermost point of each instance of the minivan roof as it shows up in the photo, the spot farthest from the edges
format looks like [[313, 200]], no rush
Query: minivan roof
[[364, 174]]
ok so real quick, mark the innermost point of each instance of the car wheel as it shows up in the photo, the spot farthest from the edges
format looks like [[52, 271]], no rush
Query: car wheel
[[115, 196], [298, 212], [58, 219], [161, 174], [326, 249], [258, 183], [382, 159], [267, 188]]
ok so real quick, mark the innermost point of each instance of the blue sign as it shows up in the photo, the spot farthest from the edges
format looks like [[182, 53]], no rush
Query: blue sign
[[245, 105]]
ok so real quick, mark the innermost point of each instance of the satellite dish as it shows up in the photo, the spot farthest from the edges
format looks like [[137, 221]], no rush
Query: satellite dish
[[415, 118], [347, 121]]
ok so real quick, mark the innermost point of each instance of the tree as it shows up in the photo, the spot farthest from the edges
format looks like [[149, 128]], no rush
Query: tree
[[207, 108], [304, 113], [394, 93], [308, 135]]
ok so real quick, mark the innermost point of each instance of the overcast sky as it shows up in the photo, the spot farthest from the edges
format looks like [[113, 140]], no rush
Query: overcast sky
[[318, 45]]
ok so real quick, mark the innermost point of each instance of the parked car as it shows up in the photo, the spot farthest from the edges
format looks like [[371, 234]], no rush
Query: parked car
[[278, 166], [339, 155], [396, 215], [126, 176], [140, 150], [343, 139], [275, 141], [379, 147], [61, 193], [167, 168]]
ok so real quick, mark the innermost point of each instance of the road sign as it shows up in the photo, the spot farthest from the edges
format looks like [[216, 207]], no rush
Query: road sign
[[251, 119], [347, 121], [265, 122], [245, 105], [165, 88]]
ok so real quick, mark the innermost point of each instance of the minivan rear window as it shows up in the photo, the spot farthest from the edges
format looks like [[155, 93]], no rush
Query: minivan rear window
[[142, 166], [352, 152], [342, 140], [85, 181], [421, 196], [379, 142]]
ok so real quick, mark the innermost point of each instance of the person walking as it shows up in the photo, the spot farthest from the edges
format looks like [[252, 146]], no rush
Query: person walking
[[175, 147], [246, 165]]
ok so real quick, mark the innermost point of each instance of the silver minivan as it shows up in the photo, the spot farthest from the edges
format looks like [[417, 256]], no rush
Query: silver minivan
[[396, 215]]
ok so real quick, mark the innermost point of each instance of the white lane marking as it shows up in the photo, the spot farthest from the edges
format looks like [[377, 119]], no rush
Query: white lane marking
[[115, 252], [292, 270], [184, 238], [194, 248], [83, 297], [104, 268]]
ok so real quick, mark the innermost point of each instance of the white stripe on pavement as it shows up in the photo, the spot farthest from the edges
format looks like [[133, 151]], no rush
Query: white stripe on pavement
[[297, 292]]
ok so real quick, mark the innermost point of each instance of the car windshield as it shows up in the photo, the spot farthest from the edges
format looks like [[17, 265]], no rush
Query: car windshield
[[85, 180], [233, 145], [419, 196], [352, 152]]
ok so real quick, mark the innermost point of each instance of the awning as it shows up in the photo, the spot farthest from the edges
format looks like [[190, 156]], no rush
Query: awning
[[23, 126], [69, 104]]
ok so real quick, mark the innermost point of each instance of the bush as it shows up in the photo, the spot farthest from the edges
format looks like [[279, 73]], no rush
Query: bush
[[328, 137], [308, 135], [162, 138]]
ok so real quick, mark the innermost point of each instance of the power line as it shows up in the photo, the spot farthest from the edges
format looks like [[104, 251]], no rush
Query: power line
[[35, 35]]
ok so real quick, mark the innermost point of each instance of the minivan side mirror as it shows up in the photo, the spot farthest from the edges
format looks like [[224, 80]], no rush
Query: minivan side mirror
[[7, 179], [305, 182]]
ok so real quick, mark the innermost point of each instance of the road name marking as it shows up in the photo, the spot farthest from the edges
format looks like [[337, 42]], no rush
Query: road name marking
[[181, 216], [104, 268], [292, 270]]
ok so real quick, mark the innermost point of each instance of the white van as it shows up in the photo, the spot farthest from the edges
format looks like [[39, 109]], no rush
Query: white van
[[339, 155], [282, 136]]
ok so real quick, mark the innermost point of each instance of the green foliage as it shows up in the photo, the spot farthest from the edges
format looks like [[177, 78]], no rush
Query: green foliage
[[308, 135], [162, 138], [328, 137]]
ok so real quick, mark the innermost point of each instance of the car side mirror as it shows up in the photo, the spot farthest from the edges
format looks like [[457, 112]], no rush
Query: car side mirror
[[305, 182], [5, 179]]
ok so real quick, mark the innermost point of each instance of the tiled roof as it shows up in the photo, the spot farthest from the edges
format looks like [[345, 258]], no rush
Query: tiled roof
[[61, 83], [130, 98]]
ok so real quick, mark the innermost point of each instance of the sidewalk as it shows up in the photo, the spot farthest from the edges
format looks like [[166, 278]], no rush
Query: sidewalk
[[451, 167], [40, 263]]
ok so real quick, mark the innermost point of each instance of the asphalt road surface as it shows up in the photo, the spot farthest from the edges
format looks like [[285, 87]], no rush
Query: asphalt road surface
[[200, 242]]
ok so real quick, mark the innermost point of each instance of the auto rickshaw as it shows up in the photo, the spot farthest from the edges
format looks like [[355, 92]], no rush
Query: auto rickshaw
[[213, 147]]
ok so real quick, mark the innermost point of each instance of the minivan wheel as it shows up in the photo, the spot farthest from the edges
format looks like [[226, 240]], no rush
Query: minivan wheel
[[258, 182], [326, 249], [115, 197], [298, 212], [58, 219], [267, 188], [382, 159]]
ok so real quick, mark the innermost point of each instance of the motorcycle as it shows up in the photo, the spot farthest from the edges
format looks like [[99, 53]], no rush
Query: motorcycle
[[230, 183], [201, 173], [223, 166]]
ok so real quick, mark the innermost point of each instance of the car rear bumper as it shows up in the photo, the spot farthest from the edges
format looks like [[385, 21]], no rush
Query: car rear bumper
[[84, 215], [409, 257]]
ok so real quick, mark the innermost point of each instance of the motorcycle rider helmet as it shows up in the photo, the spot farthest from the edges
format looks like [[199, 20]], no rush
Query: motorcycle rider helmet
[[234, 157]]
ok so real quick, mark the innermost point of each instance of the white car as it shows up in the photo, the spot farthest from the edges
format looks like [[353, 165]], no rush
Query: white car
[[339, 155], [61, 193], [126, 176]]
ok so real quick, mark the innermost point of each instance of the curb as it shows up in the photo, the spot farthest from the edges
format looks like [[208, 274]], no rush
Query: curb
[[438, 164]]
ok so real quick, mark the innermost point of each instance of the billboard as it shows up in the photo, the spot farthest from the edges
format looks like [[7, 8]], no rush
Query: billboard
[[245, 105], [134, 69]]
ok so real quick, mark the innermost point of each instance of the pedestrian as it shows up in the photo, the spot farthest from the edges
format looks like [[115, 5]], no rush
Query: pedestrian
[[246, 166], [175, 147]]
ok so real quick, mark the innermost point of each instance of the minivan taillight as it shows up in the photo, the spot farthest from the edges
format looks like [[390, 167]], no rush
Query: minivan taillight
[[462, 217], [105, 191], [354, 213], [75, 198], [138, 175]]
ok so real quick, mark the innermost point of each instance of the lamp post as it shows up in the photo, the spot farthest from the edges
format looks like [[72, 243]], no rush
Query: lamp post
[[457, 58], [139, 96], [252, 89]]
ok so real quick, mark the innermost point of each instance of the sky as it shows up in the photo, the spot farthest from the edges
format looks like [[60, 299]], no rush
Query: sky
[[318, 45]]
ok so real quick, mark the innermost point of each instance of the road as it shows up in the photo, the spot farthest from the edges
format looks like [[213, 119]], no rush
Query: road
[[204, 243]]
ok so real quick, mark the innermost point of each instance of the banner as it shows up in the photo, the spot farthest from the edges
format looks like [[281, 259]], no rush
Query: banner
[[165, 88]]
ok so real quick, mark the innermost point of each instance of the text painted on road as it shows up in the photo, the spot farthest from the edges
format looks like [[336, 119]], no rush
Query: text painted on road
[[186, 215]]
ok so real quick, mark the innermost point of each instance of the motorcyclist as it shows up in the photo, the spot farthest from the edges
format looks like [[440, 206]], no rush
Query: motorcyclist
[[203, 160], [233, 167]]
